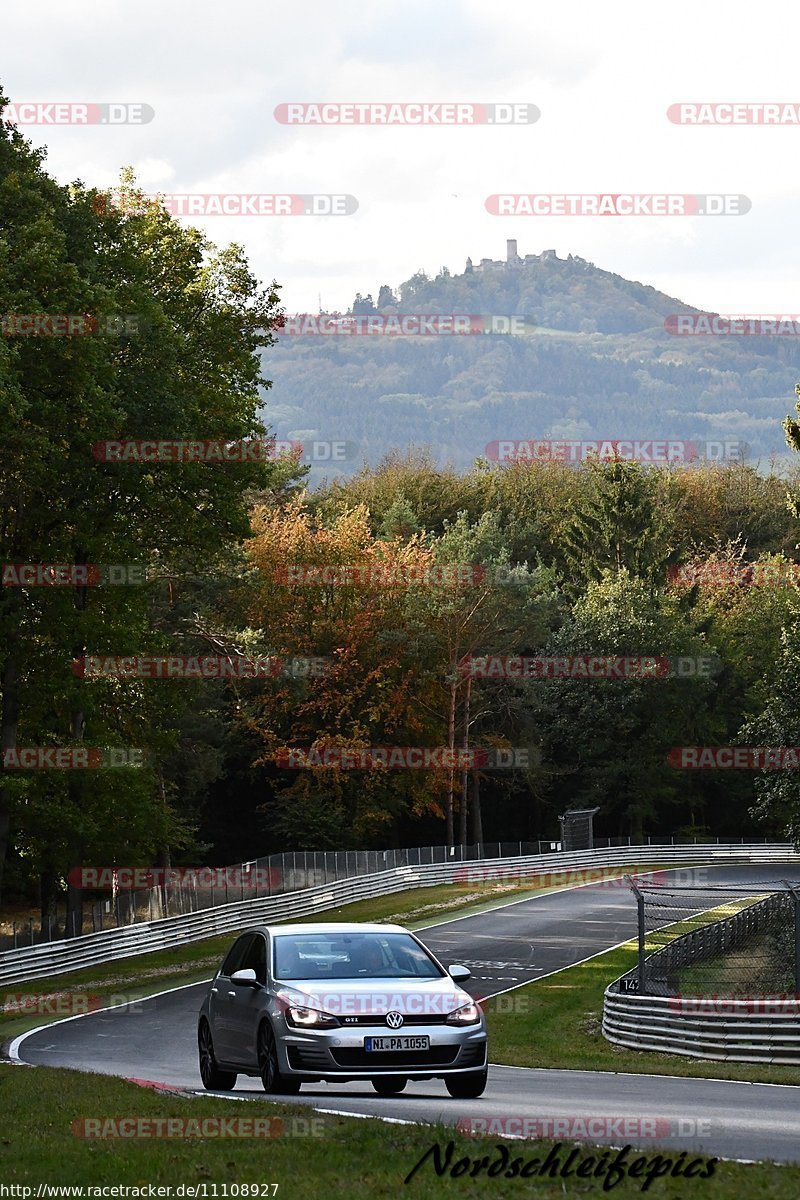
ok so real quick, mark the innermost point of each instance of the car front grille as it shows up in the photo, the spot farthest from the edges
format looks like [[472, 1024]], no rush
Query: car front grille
[[437, 1056]]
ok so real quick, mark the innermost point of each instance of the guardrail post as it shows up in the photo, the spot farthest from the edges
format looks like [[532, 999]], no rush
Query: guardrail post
[[796, 903], [640, 923]]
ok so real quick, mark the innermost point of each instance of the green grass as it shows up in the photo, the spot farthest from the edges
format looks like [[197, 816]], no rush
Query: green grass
[[556, 1022], [753, 968], [356, 1159]]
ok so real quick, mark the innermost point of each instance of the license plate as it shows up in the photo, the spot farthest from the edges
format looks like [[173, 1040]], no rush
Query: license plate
[[401, 1042]]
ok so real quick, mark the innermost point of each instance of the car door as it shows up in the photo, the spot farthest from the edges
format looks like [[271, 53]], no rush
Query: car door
[[249, 1003], [222, 1001]]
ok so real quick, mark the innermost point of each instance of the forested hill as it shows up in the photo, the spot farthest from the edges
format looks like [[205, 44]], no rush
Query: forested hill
[[569, 294], [594, 361]]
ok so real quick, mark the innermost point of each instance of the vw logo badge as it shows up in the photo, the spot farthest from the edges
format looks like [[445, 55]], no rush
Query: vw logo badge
[[394, 1020]]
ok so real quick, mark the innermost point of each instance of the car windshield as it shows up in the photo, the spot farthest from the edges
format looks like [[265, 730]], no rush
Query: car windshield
[[352, 956]]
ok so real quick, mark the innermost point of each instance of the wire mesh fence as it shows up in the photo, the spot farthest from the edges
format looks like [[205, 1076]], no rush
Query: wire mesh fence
[[712, 940], [177, 891], [182, 890]]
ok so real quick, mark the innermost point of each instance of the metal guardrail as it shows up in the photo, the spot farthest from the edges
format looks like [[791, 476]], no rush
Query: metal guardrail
[[57, 958], [180, 891], [734, 1030], [758, 1028]]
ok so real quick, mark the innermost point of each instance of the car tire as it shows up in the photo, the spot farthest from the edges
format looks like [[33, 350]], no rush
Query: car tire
[[274, 1083], [468, 1086], [214, 1080], [389, 1085]]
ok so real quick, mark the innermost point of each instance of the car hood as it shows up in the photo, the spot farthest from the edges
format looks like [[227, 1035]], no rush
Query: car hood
[[363, 997]]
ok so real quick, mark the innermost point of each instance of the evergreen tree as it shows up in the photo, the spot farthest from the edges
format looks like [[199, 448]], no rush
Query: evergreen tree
[[623, 524]]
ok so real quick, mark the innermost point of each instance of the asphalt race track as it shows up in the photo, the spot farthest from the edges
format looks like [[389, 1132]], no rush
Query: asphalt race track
[[155, 1040]]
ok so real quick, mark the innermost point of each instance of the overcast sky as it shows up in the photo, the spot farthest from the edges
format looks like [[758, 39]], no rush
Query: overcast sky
[[603, 77]]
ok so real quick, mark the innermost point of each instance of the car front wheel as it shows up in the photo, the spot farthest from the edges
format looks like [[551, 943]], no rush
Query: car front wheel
[[274, 1083], [468, 1086], [389, 1085], [214, 1080]]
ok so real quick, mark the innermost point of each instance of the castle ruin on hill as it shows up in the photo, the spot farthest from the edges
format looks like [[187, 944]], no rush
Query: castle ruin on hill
[[513, 259]]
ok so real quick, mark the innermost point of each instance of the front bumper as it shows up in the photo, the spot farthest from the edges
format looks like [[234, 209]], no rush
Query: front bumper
[[340, 1054]]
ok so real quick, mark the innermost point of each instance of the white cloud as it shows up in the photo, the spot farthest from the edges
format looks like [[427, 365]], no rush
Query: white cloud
[[602, 77]]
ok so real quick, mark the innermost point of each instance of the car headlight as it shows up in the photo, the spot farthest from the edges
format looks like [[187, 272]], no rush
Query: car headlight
[[310, 1018], [468, 1014]]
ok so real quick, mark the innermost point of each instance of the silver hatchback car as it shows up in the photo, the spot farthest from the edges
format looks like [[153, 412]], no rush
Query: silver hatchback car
[[299, 1004]]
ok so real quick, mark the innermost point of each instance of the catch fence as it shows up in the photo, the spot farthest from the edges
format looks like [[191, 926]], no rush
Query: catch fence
[[181, 891]]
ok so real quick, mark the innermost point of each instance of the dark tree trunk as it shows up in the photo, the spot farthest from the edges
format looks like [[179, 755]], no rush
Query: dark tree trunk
[[48, 899], [462, 823], [75, 787], [477, 819], [9, 721], [451, 742]]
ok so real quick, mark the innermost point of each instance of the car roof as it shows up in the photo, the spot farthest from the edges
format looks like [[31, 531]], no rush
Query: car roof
[[312, 927]]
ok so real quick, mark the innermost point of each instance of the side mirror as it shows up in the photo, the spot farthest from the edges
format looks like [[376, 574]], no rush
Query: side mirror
[[459, 973], [245, 978]]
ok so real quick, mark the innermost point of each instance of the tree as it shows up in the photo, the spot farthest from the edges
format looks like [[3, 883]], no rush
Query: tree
[[606, 741], [363, 305], [496, 611], [778, 724], [369, 693], [188, 369], [624, 524]]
